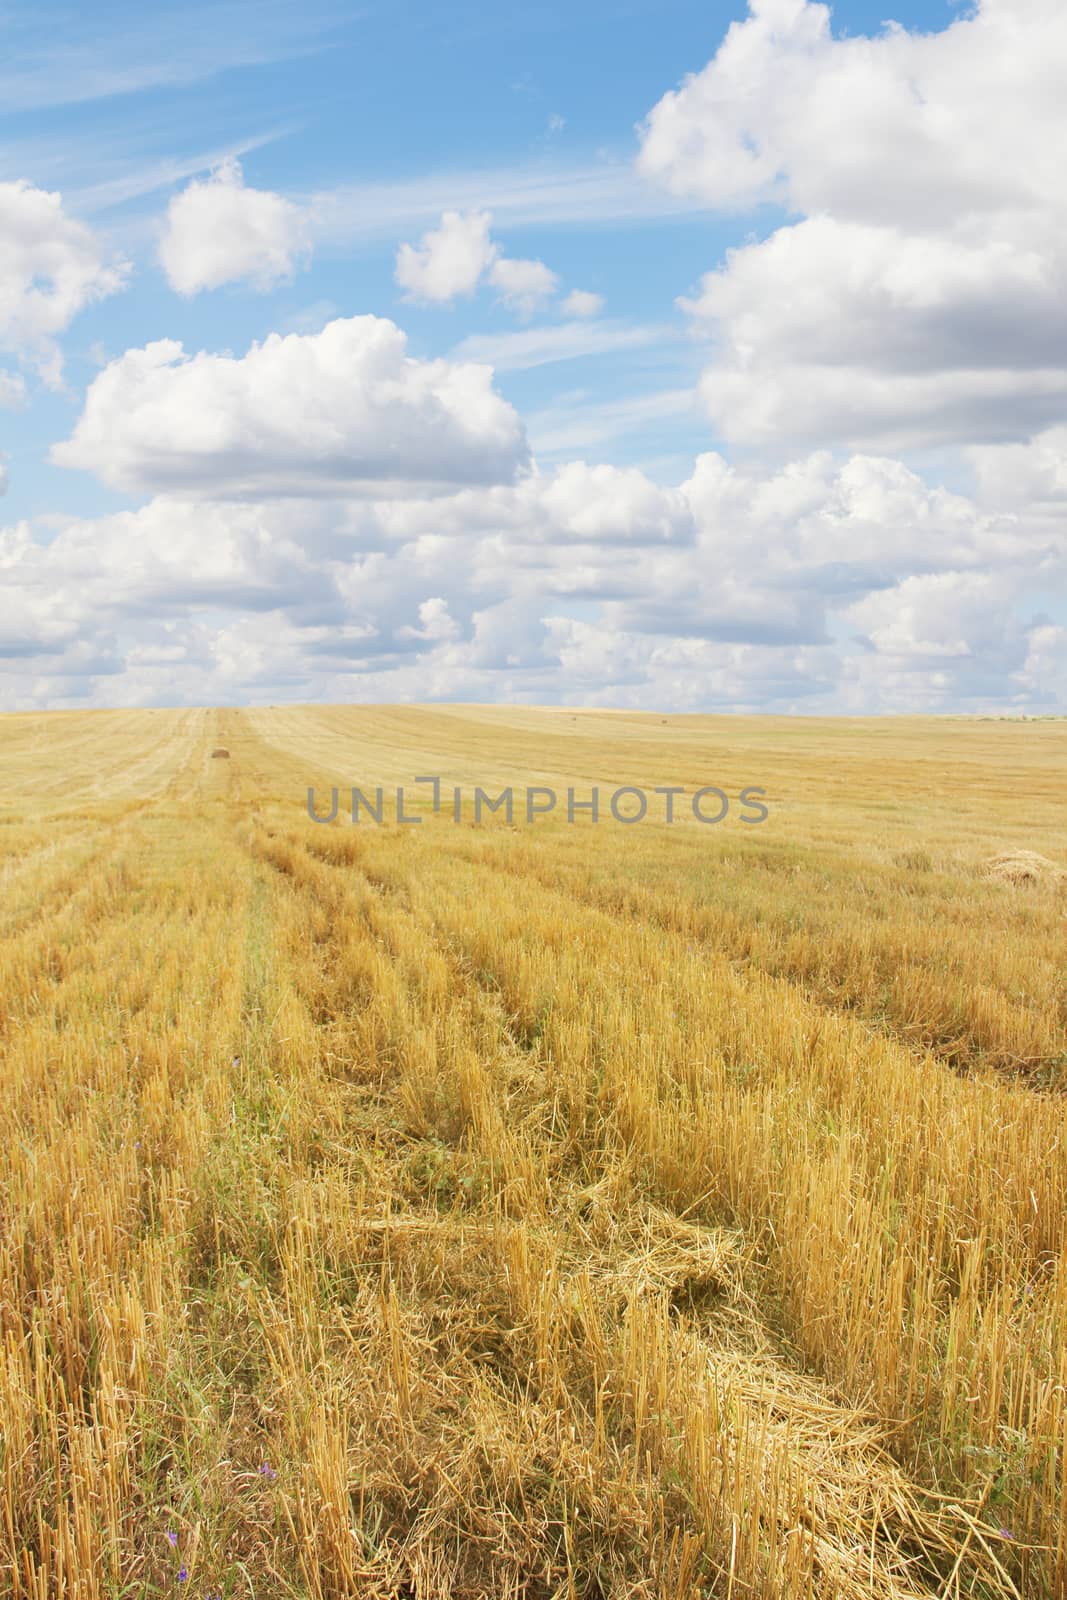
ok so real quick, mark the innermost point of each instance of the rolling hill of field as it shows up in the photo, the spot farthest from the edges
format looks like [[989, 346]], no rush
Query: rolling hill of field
[[532, 1208]]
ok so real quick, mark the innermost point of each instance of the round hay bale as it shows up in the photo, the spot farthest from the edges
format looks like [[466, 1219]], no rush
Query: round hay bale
[[216, 754], [1024, 866]]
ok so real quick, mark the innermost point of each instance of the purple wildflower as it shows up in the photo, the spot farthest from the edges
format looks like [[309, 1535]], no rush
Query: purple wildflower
[[266, 1471], [1005, 1533], [173, 1537], [182, 1574]]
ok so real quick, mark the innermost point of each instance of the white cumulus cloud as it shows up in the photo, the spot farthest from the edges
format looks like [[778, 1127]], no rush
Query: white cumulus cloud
[[435, 624], [582, 303], [459, 255], [449, 260], [524, 285], [822, 584], [346, 408], [617, 505], [1035, 472], [51, 267], [219, 231], [921, 296]]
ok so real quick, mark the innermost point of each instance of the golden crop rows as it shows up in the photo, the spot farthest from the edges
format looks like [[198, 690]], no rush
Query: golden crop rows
[[538, 1209]]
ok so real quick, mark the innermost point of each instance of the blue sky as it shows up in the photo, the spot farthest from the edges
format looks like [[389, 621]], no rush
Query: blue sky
[[801, 453]]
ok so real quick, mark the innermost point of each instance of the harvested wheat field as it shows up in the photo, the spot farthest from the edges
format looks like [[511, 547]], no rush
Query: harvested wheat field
[[538, 1208]]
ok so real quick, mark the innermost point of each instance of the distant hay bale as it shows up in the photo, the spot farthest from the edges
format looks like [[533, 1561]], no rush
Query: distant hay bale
[[216, 754], [1024, 866]]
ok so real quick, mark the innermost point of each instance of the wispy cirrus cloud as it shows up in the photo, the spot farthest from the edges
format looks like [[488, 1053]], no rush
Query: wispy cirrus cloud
[[133, 178], [585, 423], [563, 341], [48, 61], [364, 213]]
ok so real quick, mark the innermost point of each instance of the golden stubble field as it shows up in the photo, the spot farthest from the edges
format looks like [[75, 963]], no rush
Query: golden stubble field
[[533, 1210]]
